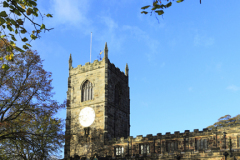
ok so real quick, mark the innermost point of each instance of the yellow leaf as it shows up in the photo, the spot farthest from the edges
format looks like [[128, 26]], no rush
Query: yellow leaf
[[28, 44], [22, 6], [9, 57], [5, 67]]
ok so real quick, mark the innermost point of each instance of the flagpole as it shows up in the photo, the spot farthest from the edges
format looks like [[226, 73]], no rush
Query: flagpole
[[90, 47]]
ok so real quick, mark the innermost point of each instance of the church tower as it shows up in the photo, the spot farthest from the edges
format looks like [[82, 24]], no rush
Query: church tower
[[98, 106]]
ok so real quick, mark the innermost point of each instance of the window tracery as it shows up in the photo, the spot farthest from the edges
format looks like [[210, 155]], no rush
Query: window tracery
[[87, 91]]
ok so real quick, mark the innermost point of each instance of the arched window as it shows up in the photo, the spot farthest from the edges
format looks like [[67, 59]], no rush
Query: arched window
[[118, 93], [87, 91]]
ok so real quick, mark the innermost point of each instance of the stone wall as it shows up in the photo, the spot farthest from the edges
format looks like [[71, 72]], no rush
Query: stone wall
[[95, 73], [118, 114], [159, 150], [158, 143], [112, 120]]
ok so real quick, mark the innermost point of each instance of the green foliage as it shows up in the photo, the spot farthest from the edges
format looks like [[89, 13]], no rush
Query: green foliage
[[24, 39], [226, 121], [160, 12], [20, 11], [3, 14], [144, 12], [49, 15], [45, 141], [180, 1], [169, 4], [145, 7], [159, 4]]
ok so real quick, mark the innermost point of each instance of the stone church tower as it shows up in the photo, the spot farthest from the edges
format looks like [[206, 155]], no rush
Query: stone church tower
[[98, 106]]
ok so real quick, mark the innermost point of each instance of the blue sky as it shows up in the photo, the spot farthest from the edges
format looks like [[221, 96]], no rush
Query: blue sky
[[184, 70]]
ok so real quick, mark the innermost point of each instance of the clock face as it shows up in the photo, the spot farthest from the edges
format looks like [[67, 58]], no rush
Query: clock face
[[86, 116]]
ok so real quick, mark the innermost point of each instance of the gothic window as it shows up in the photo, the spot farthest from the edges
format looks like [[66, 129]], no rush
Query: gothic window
[[144, 149], [117, 98], [119, 150], [87, 91]]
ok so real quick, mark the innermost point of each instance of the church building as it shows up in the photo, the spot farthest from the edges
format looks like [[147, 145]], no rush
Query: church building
[[98, 122]]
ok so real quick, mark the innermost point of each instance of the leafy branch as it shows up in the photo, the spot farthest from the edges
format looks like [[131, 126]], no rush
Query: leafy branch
[[20, 11], [158, 7]]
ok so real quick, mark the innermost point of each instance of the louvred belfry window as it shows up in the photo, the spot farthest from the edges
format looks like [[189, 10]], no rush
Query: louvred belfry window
[[87, 91]]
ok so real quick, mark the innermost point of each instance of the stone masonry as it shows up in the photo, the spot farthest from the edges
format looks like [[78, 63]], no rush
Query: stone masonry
[[112, 109]]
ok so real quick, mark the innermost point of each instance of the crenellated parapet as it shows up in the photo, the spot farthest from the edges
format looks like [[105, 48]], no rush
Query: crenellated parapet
[[205, 133], [87, 67], [117, 71], [168, 135], [189, 145]]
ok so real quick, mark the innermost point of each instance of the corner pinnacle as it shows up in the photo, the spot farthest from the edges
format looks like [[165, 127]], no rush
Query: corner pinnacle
[[106, 47]]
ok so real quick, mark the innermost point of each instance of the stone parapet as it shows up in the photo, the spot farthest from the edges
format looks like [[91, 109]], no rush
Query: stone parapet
[[177, 135]]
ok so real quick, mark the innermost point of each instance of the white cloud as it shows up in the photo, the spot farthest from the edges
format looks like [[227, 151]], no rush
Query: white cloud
[[71, 12], [233, 88], [110, 23], [203, 40], [110, 32], [116, 35]]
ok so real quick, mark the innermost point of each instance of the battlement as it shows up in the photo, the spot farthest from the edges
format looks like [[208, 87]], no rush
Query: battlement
[[87, 67], [116, 70], [177, 135], [96, 65]]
